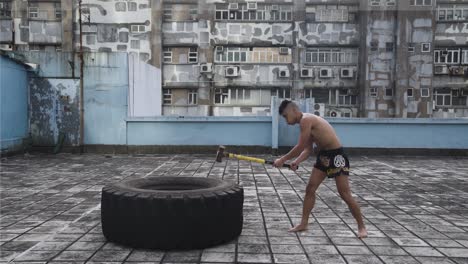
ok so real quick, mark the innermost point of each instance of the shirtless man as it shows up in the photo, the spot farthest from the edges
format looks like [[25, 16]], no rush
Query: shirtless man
[[331, 161]]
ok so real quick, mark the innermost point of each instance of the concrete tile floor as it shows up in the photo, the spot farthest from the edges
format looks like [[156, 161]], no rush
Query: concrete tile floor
[[415, 208]]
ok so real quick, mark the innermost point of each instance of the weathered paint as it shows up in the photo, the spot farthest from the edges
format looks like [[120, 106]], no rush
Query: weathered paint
[[13, 104], [54, 97], [53, 110], [110, 27]]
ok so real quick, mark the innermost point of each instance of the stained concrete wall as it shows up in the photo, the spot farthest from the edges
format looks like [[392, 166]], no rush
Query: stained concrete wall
[[13, 105], [105, 98], [54, 98]]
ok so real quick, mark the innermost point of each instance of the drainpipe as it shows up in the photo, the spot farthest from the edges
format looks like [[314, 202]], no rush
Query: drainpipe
[[81, 80], [13, 46]]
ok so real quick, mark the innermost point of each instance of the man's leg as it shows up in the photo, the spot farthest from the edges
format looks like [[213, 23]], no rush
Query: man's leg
[[342, 184], [316, 178]]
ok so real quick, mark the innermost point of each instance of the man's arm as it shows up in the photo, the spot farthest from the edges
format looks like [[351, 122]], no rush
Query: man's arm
[[304, 155], [304, 141]]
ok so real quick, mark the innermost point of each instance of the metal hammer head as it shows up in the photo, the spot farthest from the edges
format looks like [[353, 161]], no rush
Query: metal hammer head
[[220, 153]]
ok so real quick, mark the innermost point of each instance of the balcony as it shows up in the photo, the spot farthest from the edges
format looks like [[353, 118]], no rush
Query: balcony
[[45, 32], [256, 34]]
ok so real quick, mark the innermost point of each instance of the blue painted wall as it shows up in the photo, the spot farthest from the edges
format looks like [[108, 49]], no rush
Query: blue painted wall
[[105, 98], [240, 131], [391, 133], [13, 104]]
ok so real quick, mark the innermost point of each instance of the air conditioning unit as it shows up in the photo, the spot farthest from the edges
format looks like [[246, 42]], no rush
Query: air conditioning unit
[[307, 72], [274, 7], [5, 46], [284, 50], [456, 92], [231, 71], [347, 73], [441, 69], [233, 6], [206, 67], [252, 6], [219, 49], [326, 73], [319, 109], [334, 113], [456, 70], [283, 73]]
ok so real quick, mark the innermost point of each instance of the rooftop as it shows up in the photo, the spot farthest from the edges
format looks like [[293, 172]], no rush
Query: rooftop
[[415, 209]]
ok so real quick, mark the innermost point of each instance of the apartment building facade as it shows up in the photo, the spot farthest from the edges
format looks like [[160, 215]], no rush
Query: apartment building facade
[[356, 58]]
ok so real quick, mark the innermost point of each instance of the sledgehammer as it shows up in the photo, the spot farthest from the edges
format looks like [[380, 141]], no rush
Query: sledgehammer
[[220, 154]]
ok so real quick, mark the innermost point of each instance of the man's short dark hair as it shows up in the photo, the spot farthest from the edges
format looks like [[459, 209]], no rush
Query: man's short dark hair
[[283, 106]]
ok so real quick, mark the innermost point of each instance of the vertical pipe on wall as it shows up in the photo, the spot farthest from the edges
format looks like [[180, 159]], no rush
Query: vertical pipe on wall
[[81, 80]]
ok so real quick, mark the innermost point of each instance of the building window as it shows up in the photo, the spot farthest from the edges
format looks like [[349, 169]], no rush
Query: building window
[[373, 92], [332, 13], [135, 43], [331, 56], [167, 96], [261, 12], [388, 92], [455, 12], [33, 10], [409, 92], [443, 98], [58, 11], [167, 55], [465, 56], [194, 12], [282, 93], [132, 6], [447, 56], [346, 99], [410, 47], [192, 97], [120, 7], [138, 28], [389, 46], [193, 55], [420, 2], [240, 96], [424, 92], [308, 93], [5, 9], [167, 12], [374, 45], [426, 47], [221, 96]]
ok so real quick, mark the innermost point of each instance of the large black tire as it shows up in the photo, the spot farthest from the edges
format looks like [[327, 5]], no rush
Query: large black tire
[[172, 212]]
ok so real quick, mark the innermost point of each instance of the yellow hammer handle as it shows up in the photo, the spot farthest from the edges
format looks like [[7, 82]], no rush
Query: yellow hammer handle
[[240, 157]]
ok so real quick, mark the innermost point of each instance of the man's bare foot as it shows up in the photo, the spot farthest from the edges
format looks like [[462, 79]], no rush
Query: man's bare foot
[[298, 228], [362, 232]]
